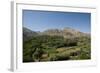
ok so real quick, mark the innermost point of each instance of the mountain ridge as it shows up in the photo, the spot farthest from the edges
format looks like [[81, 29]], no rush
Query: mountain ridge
[[66, 32]]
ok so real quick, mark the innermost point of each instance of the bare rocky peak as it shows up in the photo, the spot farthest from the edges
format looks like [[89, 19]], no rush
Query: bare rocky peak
[[66, 32]]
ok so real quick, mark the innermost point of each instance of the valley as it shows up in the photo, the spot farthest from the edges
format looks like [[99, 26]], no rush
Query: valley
[[55, 45]]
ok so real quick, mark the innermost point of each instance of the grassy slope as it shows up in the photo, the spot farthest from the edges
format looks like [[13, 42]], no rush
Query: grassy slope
[[47, 48]]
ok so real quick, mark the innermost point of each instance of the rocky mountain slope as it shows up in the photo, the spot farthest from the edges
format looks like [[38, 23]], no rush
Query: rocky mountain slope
[[27, 33], [66, 33]]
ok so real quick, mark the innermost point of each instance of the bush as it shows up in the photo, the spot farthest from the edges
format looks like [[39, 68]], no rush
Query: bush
[[37, 54], [59, 57]]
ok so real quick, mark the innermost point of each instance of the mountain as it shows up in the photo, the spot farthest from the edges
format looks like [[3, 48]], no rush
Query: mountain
[[66, 32], [27, 33]]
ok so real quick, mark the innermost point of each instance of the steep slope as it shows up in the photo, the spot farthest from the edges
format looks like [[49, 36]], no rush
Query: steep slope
[[27, 33], [66, 32]]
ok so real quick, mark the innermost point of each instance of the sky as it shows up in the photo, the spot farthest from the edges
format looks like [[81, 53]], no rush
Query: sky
[[42, 20]]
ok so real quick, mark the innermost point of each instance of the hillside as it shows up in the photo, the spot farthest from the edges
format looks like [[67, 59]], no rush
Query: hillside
[[55, 45], [66, 32], [27, 33]]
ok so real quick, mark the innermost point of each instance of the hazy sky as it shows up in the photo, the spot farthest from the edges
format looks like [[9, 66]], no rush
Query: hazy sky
[[42, 20]]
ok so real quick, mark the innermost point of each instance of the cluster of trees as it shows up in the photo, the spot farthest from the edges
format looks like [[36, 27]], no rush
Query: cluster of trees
[[85, 47], [36, 46]]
